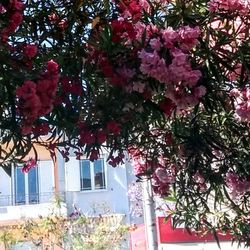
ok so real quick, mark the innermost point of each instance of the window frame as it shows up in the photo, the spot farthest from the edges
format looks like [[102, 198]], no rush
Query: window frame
[[92, 175], [27, 194]]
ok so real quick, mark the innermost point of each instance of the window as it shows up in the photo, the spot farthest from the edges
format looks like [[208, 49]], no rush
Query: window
[[26, 186], [92, 174]]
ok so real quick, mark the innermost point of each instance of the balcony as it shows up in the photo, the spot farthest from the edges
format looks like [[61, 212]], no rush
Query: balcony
[[31, 206]]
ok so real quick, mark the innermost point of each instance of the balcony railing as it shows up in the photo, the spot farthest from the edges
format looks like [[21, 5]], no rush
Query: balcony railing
[[29, 199]]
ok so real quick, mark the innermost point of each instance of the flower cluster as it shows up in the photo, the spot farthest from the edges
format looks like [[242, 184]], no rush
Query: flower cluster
[[241, 6], [36, 99], [115, 161], [88, 137], [30, 50], [13, 10], [162, 172], [237, 185], [164, 57], [162, 179], [133, 9], [200, 181], [94, 137], [174, 71], [241, 103]]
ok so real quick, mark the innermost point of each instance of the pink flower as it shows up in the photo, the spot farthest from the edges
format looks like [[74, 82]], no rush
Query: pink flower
[[159, 187], [29, 87], [200, 91], [141, 30], [236, 184], [241, 6], [164, 175], [242, 103], [145, 5], [30, 50], [188, 37], [155, 43], [29, 103], [169, 37], [138, 161], [26, 129], [154, 66], [63, 24], [2, 9], [53, 17]]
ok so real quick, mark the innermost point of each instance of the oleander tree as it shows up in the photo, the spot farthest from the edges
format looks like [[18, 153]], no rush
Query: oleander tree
[[166, 81]]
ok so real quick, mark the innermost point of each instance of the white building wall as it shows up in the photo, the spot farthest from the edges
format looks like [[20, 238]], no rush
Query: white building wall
[[5, 188], [30, 211], [46, 180], [61, 173], [112, 200]]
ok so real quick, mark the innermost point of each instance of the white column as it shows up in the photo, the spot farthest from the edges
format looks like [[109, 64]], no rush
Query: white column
[[149, 215]]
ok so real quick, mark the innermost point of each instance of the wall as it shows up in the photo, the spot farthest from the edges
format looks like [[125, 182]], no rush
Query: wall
[[46, 180], [29, 211], [5, 188], [114, 198], [61, 173]]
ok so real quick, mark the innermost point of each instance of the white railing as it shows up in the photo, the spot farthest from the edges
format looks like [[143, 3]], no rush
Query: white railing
[[37, 198]]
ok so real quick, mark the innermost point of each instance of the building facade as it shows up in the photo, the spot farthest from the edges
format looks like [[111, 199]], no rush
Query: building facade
[[93, 187]]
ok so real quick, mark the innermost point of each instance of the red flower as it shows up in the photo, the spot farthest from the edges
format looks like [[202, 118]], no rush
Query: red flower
[[167, 106], [16, 5], [122, 29], [29, 87], [169, 139], [15, 20], [94, 155], [65, 154], [36, 100], [76, 89], [41, 129], [52, 66], [28, 165], [135, 10], [78, 154], [115, 161], [101, 136], [106, 68], [114, 127], [30, 50], [86, 137]]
